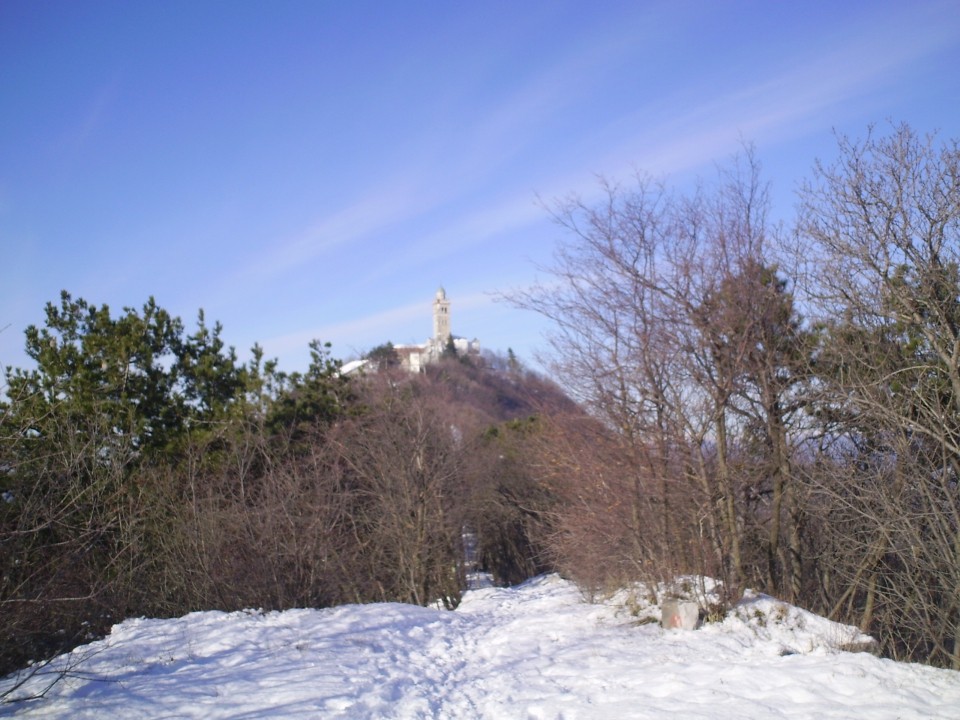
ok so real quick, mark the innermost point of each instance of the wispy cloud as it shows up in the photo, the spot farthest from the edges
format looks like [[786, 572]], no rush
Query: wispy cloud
[[694, 128], [449, 163], [502, 217], [82, 126], [380, 207], [378, 327]]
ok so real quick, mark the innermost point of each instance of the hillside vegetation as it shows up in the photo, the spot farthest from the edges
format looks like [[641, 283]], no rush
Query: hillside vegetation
[[148, 472]]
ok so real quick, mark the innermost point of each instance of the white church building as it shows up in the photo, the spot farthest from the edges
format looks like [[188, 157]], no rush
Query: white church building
[[416, 357]]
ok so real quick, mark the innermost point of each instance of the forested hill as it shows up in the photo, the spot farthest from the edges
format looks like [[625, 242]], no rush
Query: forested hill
[[147, 471], [498, 390]]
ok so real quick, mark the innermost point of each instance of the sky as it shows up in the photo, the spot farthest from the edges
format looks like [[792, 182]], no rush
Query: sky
[[317, 169]]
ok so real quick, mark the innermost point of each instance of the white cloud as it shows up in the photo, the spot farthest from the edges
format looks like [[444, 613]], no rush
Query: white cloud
[[380, 208], [375, 328], [692, 128]]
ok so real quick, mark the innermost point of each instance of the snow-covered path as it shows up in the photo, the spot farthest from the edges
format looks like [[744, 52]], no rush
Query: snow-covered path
[[536, 651]]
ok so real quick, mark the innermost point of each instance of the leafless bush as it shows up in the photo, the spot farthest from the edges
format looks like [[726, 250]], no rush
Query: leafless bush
[[403, 457], [69, 538]]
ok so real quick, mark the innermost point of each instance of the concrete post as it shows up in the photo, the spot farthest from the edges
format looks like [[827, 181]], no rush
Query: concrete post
[[679, 614]]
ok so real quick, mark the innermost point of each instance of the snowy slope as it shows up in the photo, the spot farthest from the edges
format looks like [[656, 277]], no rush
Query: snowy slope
[[536, 651]]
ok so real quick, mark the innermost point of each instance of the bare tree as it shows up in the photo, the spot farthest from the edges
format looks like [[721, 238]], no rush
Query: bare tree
[[654, 335], [884, 228]]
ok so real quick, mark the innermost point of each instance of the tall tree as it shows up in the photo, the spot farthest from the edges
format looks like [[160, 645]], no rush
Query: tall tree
[[315, 397], [92, 365], [208, 372], [109, 397]]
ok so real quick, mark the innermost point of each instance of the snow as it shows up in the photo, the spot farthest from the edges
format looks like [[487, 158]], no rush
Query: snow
[[534, 651]]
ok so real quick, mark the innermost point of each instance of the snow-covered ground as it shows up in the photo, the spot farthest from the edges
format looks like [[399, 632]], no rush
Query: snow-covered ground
[[534, 651]]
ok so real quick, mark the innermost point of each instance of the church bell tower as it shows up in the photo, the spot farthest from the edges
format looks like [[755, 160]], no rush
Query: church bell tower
[[441, 318]]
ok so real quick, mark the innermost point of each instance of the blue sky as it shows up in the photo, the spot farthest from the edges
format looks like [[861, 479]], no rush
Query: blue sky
[[318, 169]]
